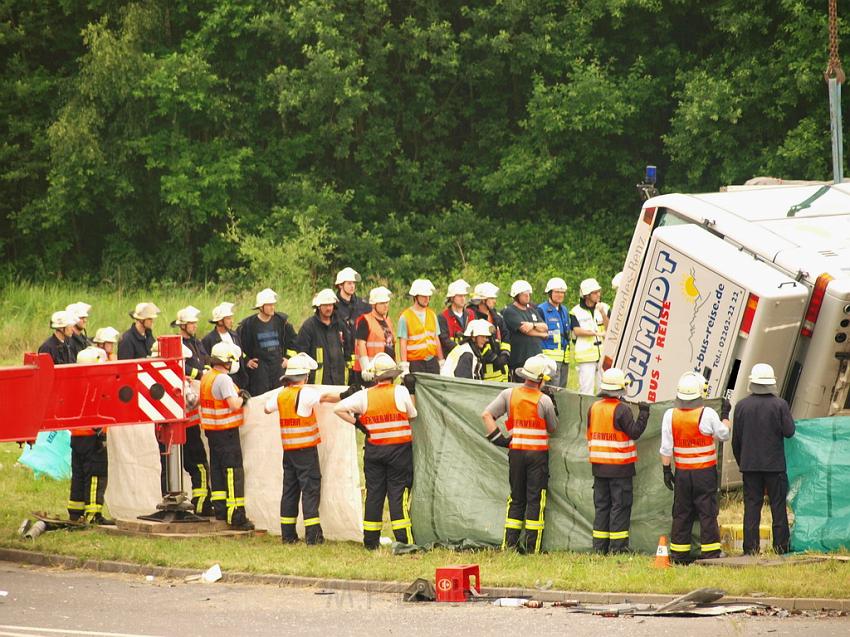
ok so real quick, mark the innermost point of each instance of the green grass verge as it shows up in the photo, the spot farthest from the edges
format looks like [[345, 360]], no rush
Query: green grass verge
[[265, 554]]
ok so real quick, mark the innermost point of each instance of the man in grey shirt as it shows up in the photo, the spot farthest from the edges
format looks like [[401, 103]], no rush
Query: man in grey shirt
[[531, 417]]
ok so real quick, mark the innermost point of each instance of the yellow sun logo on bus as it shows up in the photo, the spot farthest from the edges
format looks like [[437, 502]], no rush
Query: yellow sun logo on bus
[[689, 287]]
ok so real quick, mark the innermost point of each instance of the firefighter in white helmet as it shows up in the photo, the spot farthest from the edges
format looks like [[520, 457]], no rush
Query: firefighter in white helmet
[[556, 345], [689, 432], [79, 340], [137, 342], [497, 353], [612, 432], [531, 417], [588, 322], [268, 340], [465, 360], [322, 337], [454, 319], [223, 332], [419, 332], [525, 325], [349, 309], [58, 344], [373, 335], [106, 338], [187, 322]]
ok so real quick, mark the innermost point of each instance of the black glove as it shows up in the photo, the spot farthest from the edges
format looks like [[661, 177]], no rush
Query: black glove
[[498, 439], [551, 391], [245, 395], [725, 409], [669, 478], [409, 381], [643, 408], [359, 425], [503, 359], [353, 389]]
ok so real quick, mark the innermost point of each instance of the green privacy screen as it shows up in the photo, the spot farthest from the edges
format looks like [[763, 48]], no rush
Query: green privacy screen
[[818, 458], [460, 488]]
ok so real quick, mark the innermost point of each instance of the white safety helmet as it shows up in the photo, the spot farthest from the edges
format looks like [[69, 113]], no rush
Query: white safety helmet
[[538, 368], [421, 287], [589, 286], [300, 365], [762, 374], [222, 311], [556, 284], [145, 311], [520, 286], [613, 379], [188, 314], [91, 354], [62, 319], [106, 335], [484, 291], [691, 386], [383, 366], [379, 294], [79, 309], [615, 282], [347, 274], [478, 327], [325, 297], [226, 352], [265, 297], [458, 288]]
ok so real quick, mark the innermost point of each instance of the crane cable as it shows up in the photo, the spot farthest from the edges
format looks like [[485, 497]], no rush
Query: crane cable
[[833, 68]]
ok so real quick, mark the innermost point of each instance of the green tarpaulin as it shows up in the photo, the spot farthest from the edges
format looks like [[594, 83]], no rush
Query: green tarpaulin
[[460, 488], [818, 458]]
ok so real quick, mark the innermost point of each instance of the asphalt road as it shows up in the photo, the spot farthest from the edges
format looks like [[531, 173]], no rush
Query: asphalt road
[[49, 602]]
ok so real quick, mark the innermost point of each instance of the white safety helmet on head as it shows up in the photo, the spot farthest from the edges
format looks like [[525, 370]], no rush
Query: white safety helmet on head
[[692, 386], [91, 354], [589, 286], [144, 311], [538, 368], [379, 294], [613, 379], [300, 365], [188, 314], [106, 335], [520, 286], [265, 297], [383, 367], [484, 291], [421, 287], [226, 352], [79, 309], [478, 327], [556, 284], [347, 274], [762, 374], [458, 288], [222, 311], [615, 282], [62, 319], [325, 297]]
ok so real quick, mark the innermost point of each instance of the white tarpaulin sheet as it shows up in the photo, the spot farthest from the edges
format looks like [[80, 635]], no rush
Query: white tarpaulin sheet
[[134, 470]]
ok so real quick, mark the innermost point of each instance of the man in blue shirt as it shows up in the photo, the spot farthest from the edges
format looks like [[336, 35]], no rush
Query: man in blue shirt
[[556, 346]]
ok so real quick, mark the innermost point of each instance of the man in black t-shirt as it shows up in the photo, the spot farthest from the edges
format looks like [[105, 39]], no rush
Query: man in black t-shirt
[[268, 339], [525, 324]]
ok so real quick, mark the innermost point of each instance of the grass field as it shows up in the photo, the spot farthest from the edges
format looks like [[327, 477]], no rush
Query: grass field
[[265, 554]]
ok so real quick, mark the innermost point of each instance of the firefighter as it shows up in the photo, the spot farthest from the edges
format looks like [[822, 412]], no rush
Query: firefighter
[[557, 344], [465, 360], [373, 334], [299, 434], [222, 407], [588, 322], [106, 338], [194, 453], [137, 342], [384, 412], [89, 463], [222, 320], [350, 308], [79, 339], [419, 332], [611, 435], [268, 339], [762, 422], [497, 352], [454, 319], [525, 324], [688, 434], [531, 418], [322, 337], [57, 345]]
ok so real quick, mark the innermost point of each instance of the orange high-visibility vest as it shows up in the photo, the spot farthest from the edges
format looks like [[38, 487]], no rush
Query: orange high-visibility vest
[[296, 432], [384, 422], [421, 339], [607, 444], [216, 415], [692, 449], [376, 339], [527, 428]]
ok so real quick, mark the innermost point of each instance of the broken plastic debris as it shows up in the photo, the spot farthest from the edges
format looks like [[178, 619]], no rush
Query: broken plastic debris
[[148, 578], [4, 593], [513, 602], [212, 574], [385, 541]]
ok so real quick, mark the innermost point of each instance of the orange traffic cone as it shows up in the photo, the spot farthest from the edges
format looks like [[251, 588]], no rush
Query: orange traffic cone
[[662, 555]]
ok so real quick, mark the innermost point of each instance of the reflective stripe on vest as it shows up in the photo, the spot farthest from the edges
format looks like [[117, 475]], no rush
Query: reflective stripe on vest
[[586, 350], [377, 338], [448, 368], [193, 416], [605, 443], [527, 428], [421, 339], [296, 432], [692, 449], [216, 415], [384, 422]]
